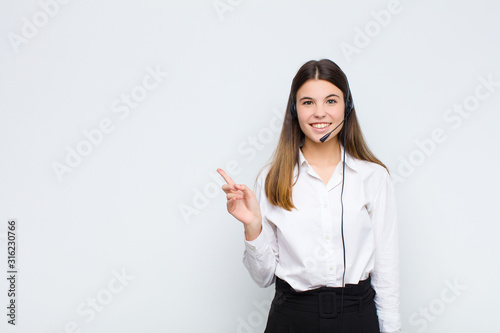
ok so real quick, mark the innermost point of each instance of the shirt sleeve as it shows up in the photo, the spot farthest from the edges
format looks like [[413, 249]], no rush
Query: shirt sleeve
[[260, 256], [385, 275]]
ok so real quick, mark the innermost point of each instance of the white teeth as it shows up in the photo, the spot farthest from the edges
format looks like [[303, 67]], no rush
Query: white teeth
[[320, 125]]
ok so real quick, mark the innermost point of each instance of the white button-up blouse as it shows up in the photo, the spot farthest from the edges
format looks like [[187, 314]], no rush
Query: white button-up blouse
[[304, 246]]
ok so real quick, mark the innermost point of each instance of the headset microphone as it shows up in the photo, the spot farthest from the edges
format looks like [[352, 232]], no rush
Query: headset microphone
[[323, 139]]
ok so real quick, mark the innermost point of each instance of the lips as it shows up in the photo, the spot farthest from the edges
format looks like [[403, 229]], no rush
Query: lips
[[321, 127]]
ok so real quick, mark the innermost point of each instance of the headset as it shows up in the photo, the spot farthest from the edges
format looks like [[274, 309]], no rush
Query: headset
[[349, 105]]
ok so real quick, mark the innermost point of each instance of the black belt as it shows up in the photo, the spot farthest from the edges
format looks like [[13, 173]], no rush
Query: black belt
[[326, 301]]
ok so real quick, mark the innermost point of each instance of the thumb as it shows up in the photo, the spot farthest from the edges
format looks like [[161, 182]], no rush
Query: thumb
[[243, 188]]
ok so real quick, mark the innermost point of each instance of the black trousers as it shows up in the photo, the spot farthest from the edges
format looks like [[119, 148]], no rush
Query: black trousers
[[318, 310]]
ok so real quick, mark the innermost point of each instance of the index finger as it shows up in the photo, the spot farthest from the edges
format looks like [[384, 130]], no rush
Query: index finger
[[225, 176]]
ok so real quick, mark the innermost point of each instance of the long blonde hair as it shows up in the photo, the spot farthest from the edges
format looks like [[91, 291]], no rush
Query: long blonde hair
[[279, 180]]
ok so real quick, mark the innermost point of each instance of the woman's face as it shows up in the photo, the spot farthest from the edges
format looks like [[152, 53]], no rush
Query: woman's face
[[320, 108]]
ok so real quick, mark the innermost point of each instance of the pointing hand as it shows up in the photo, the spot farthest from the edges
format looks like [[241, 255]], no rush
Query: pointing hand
[[241, 202]]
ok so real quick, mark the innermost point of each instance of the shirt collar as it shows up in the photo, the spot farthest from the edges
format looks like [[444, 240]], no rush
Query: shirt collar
[[349, 160]]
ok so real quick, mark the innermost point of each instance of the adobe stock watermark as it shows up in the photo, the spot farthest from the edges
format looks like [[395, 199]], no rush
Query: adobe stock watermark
[[88, 309], [428, 314], [248, 150], [223, 6], [121, 107], [454, 116], [364, 36], [31, 27]]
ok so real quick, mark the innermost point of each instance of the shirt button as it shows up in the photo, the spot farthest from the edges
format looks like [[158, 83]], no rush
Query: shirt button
[[331, 268], [324, 205], [327, 237]]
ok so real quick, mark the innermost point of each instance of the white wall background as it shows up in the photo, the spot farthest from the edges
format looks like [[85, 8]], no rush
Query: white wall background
[[67, 68]]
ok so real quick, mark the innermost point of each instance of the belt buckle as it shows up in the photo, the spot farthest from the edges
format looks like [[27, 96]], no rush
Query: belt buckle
[[327, 304]]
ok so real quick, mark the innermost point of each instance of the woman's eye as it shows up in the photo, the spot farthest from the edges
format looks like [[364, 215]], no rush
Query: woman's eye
[[307, 103], [331, 101]]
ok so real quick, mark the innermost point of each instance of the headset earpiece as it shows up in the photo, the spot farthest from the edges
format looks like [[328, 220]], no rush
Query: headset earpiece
[[293, 108], [349, 105], [348, 108]]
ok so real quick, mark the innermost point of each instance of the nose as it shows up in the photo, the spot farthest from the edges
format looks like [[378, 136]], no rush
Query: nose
[[320, 111]]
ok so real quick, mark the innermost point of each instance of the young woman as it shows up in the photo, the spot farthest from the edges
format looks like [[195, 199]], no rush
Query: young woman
[[332, 251]]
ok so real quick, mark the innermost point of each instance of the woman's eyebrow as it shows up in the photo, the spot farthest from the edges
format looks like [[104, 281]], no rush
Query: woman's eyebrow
[[331, 95]]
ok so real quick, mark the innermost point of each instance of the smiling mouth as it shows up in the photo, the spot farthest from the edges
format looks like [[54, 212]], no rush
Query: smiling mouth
[[320, 125]]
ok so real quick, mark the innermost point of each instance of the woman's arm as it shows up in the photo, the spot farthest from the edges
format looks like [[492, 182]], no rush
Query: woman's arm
[[261, 253], [385, 276]]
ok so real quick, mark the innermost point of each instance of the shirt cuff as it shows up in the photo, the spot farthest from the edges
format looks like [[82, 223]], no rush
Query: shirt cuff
[[390, 322], [256, 246]]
